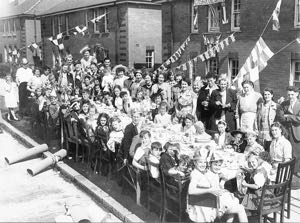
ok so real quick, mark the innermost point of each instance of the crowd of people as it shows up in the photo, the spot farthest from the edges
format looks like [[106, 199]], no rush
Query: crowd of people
[[206, 110]]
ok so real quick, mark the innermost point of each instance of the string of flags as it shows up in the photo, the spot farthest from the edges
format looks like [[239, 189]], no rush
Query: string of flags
[[211, 52], [176, 55]]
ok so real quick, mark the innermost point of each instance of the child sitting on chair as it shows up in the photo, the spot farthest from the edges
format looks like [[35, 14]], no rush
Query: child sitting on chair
[[139, 158], [154, 157]]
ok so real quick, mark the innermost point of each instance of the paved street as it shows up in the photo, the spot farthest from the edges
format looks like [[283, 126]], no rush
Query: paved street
[[40, 198]]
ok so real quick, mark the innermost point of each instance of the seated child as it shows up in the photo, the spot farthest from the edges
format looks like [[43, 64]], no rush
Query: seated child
[[169, 160], [163, 118], [154, 157], [139, 158]]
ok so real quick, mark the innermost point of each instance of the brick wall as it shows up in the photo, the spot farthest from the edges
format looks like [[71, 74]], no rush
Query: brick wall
[[254, 16]]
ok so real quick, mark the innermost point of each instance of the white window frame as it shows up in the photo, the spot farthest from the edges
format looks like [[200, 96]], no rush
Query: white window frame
[[106, 21], [233, 12], [86, 18], [214, 28], [67, 23], [96, 12], [208, 64], [53, 26], [230, 68], [5, 55], [151, 56], [194, 9], [293, 72], [5, 28], [297, 14], [60, 23]]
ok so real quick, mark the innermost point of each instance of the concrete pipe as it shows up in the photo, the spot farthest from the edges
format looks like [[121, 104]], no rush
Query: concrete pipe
[[27, 154], [51, 160], [79, 214]]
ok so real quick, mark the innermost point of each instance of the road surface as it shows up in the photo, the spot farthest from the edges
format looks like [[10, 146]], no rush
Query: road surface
[[41, 198]]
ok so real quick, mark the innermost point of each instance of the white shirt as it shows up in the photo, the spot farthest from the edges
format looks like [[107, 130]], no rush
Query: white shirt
[[23, 75]]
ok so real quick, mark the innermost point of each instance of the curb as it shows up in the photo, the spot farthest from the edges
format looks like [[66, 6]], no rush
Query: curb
[[100, 196]]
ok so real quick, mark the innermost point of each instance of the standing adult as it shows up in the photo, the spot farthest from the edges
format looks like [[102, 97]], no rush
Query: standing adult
[[87, 58], [204, 106], [163, 87], [23, 75], [291, 114], [268, 111], [247, 106], [224, 102]]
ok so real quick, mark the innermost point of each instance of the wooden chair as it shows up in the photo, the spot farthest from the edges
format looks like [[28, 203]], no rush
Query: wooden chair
[[84, 143], [132, 177], [174, 195], [272, 200], [70, 136], [285, 172], [154, 189]]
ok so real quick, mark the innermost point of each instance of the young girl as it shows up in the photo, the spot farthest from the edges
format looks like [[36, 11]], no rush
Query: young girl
[[91, 123], [154, 157], [127, 104], [115, 138], [163, 118], [10, 97], [101, 137], [188, 125], [146, 103], [157, 99], [117, 100], [137, 104], [139, 158]]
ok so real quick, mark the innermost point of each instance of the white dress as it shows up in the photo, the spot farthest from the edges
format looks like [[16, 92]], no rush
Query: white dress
[[11, 95]]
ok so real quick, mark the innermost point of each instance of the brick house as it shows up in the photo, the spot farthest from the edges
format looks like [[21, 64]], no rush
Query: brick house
[[19, 27], [129, 34], [245, 17]]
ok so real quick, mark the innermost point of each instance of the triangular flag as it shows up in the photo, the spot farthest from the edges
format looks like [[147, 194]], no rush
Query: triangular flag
[[172, 59], [81, 30], [226, 41], [298, 40], [232, 38], [206, 55], [195, 59], [222, 44], [188, 39], [202, 57], [97, 19], [184, 66], [167, 62], [275, 16], [217, 48]]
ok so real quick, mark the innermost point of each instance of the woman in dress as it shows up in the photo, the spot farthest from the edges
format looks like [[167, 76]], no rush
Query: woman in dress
[[163, 87], [267, 113], [187, 100], [280, 148], [138, 82], [171, 78], [247, 106], [10, 97]]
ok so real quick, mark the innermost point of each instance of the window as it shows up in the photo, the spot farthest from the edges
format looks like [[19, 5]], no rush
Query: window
[[194, 19], [61, 23], [233, 67], [101, 25], [212, 65], [214, 17], [150, 58], [5, 55], [235, 15], [5, 27], [295, 72], [297, 14], [14, 27]]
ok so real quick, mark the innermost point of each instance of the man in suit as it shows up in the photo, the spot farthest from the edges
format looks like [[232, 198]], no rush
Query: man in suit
[[291, 120], [204, 107], [223, 102]]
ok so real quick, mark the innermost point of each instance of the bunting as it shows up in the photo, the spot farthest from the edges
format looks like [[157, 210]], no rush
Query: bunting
[[211, 52], [178, 53], [57, 41], [275, 16]]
